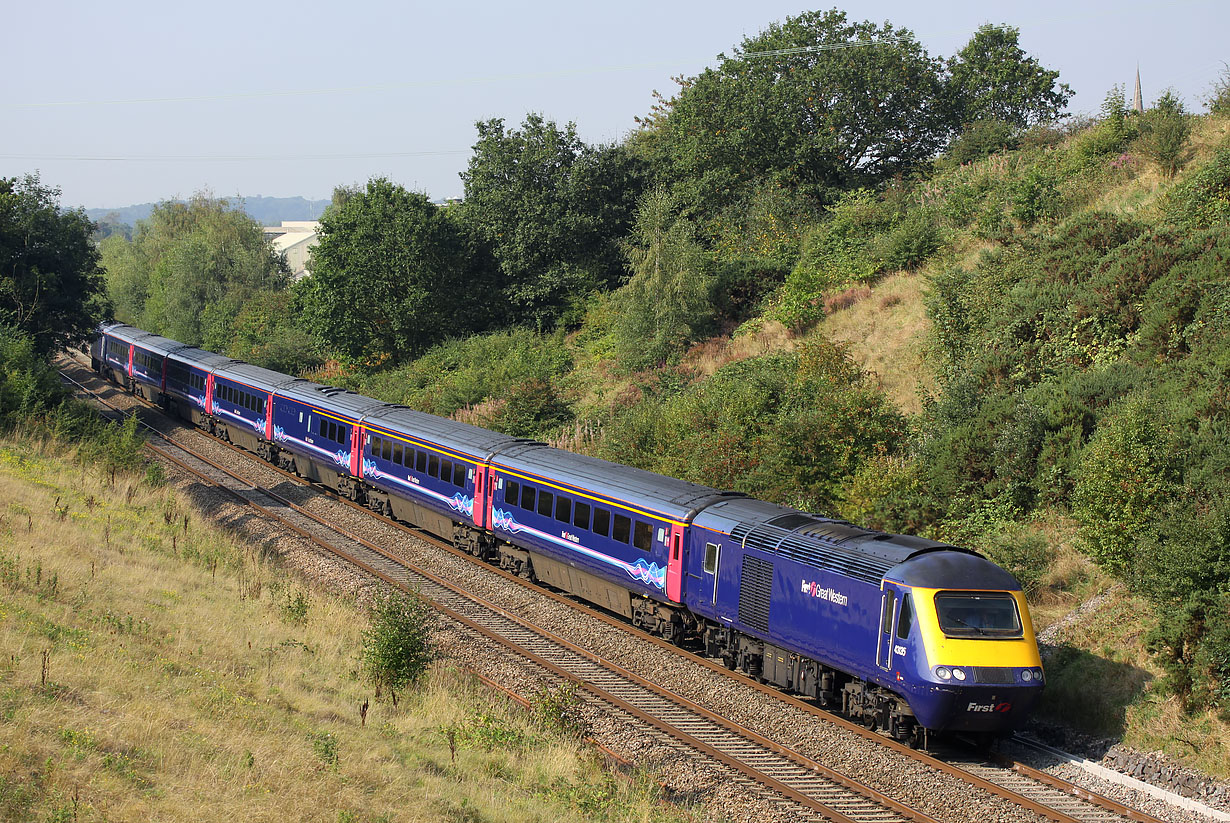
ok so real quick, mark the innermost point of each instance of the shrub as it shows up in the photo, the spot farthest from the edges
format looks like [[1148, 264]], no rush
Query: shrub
[[1218, 99], [1192, 643], [397, 645], [982, 138], [1035, 196], [1202, 199], [1125, 475], [1164, 132], [909, 244]]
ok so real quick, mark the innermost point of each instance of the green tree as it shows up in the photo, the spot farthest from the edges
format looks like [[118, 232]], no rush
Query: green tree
[[397, 645], [190, 269], [51, 287], [551, 210], [1164, 131], [666, 304], [816, 102], [992, 78], [387, 275]]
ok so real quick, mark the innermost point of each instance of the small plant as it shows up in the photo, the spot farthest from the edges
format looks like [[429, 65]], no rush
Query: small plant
[[294, 607], [397, 645], [559, 710], [324, 745]]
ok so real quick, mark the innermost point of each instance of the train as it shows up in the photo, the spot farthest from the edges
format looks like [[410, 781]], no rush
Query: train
[[906, 635]]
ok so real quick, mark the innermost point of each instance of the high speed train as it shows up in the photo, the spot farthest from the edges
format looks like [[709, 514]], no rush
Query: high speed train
[[905, 634]]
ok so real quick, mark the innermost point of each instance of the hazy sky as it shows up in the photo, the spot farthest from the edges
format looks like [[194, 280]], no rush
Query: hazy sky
[[128, 102]]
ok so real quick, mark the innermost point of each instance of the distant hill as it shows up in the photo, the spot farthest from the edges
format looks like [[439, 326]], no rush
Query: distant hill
[[268, 211]]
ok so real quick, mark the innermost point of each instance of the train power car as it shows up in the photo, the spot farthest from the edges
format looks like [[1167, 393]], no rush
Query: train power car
[[905, 634]]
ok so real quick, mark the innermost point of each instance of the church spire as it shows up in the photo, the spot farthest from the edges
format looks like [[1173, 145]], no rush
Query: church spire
[[1138, 105]]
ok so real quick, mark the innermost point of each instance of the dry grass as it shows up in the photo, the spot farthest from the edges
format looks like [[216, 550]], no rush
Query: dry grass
[[887, 331], [182, 683]]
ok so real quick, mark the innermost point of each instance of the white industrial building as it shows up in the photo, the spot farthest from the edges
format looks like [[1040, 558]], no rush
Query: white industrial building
[[294, 239]]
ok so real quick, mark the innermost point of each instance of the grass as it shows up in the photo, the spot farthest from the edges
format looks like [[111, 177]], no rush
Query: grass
[[174, 672], [886, 331]]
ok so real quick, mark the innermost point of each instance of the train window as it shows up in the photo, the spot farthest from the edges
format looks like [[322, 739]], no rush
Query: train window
[[420, 461], [623, 529], [545, 501], [886, 616], [580, 515], [643, 538], [563, 509], [397, 452], [386, 449], [375, 445], [711, 557], [512, 493], [602, 522], [978, 614], [459, 474], [529, 495], [320, 427], [906, 620], [433, 465]]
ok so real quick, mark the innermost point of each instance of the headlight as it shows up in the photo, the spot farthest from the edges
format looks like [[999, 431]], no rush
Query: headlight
[[943, 672], [1038, 675], [959, 674], [1027, 675]]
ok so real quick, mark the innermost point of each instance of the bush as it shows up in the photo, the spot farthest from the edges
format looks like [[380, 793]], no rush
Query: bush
[[1192, 643], [1202, 199], [1218, 99], [1125, 476], [1035, 196], [397, 645], [981, 139], [909, 244], [1164, 132]]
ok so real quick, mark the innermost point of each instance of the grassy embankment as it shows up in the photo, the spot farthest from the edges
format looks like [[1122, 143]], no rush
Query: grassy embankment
[[154, 667]]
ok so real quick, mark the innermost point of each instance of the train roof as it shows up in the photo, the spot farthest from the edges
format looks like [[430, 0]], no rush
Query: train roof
[[461, 437], [157, 343], [201, 358], [675, 499], [953, 570], [256, 376], [836, 545], [329, 398]]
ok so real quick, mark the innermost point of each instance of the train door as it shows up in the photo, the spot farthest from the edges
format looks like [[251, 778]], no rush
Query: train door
[[356, 450], [132, 353], [209, 394], [890, 603], [674, 564], [484, 492], [269, 416]]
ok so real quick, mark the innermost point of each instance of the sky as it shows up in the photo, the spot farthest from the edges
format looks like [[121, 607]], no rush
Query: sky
[[132, 102]]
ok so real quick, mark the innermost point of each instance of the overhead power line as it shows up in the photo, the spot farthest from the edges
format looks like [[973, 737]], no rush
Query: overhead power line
[[180, 158]]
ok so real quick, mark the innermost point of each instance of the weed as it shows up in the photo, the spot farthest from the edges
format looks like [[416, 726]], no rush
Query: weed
[[325, 747]]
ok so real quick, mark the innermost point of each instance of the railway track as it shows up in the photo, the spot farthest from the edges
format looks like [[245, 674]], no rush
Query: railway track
[[824, 793]]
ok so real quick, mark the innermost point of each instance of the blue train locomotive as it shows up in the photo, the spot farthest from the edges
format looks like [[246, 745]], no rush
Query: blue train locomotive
[[903, 633]]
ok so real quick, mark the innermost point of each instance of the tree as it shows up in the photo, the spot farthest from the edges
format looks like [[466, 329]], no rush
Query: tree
[[992, 78], [190, 269], [51, 287], [388, 275], [667, 301], [397, 645], [551, 210], [816, 102]]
